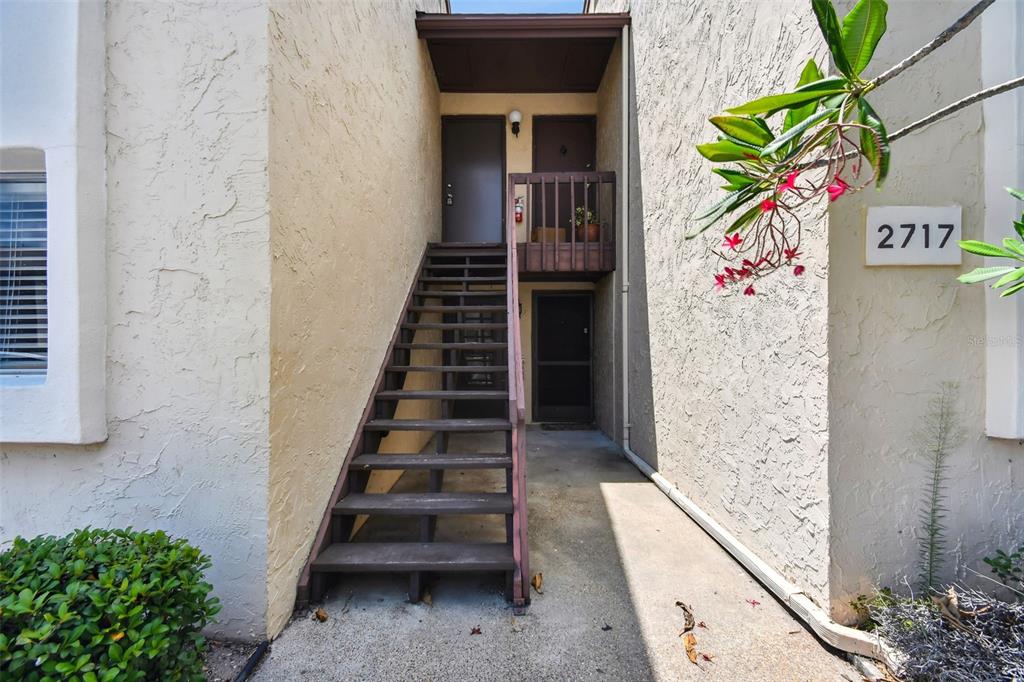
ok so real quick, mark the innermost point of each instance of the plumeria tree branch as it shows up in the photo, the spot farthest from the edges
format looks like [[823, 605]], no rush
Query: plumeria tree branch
[[940, 40], [957, 106], [831, 142]]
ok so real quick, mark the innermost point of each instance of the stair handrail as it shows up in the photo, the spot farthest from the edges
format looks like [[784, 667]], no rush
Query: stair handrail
[[517, 413]]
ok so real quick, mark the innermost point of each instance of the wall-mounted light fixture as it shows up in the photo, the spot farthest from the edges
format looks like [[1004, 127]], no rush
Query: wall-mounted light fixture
[[515, 117]]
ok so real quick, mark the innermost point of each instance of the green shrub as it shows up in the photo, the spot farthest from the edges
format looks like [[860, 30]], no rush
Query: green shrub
[[103, 605]]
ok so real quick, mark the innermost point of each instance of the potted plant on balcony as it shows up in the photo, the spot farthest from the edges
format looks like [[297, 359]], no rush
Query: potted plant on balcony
[[587, 229]]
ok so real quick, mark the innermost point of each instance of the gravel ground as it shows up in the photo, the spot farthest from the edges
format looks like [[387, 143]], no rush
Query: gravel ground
[[616, 555], [224, 660]]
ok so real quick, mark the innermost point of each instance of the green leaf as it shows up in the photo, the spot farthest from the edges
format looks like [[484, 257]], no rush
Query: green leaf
[[726, 150], [1009, 277], [862, 28], [744, 220], [750, 130], [1016, 193], [810, 74], [1012, 290], [982, 249], [735, 178], [730, 202], [1014, 246], [876, 151], [812, 92], [982, 274], [828, 22], [797, 131]]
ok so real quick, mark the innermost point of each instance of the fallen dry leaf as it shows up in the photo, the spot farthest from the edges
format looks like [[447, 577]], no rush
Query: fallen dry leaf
[[427, 598], [475, 631], [753, 603], [538, 582], [690, 642], [702, 625], [707, 657], [320, 615], [687, 616]]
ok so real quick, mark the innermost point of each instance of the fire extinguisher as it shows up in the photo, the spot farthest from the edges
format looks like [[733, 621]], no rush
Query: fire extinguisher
[[519, 209]]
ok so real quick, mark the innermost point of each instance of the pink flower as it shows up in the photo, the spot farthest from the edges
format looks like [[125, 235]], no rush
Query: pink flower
[[790, 183], [749, 291], [732, 241], [790, 253], [744, 273], [719, 281], [836, 189], [798, 270], [768, 205]]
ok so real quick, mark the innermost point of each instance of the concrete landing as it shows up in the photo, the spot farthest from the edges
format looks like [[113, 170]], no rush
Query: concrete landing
[[616, 556]]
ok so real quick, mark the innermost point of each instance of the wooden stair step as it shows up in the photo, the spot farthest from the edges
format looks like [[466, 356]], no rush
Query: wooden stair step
[[447, 460], [416, 504], [455, 325], [465, 345], [474, 425], [469, 280], [442, 395], [466, 253], [355, 557], [464, 266], [466, 245], [458, 308], [489, 369], [454, 293]]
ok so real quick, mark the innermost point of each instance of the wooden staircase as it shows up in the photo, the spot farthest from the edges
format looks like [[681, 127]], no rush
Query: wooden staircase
[[469, 293]]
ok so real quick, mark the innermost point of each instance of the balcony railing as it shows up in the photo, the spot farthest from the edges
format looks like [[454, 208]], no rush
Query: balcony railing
[[565, 223]]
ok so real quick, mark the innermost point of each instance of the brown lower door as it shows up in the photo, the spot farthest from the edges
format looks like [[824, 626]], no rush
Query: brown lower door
[[562, 356]]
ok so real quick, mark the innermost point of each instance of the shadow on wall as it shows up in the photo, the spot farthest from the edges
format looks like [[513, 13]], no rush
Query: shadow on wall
[[643, 438]]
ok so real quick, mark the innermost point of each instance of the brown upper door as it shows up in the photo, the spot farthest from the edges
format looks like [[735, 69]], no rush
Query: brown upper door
[[473, 183], [564, 143]]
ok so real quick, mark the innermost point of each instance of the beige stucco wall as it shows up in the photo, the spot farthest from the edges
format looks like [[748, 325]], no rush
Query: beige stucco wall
[[607, 296], [899, 331], [354, 180], [727, 393], [188, 278], [519, 150]]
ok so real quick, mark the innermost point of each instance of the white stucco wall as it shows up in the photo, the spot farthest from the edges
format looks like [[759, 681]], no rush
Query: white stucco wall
[[186, 302], [52, 75], [727, 393], [355, 154], [896, 332]]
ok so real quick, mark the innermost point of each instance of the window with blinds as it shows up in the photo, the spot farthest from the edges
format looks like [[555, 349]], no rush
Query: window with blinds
[[23, 334]]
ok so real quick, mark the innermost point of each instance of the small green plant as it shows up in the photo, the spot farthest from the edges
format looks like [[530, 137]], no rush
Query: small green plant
[[864, 605], [938, 435], [579, 216], [1009, 569], [1010, 276], [101, 605]]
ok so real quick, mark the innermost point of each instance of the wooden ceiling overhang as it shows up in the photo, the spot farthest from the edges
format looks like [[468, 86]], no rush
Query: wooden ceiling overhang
[[519, 52]]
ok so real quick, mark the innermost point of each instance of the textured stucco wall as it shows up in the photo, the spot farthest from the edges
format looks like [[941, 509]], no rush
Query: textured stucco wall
[[899, 331], [727, 393], [354, 181], [188, 283], [607, 292]]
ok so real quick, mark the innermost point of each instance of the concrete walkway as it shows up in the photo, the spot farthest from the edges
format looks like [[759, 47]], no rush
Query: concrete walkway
[[616, 556]]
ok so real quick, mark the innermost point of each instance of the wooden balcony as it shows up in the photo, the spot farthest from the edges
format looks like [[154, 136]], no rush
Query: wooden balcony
[[566, 229]]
